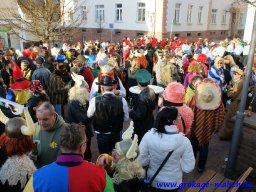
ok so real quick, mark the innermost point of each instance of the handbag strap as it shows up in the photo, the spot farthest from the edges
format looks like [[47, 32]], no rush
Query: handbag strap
[[160, 167]]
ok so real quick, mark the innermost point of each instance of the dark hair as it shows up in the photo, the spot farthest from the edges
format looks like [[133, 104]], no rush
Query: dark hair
[[71, 137], [165, 117], [35, 100]]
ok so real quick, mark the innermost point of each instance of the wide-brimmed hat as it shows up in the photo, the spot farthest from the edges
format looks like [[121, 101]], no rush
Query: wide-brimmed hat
[[208, 96], [174, 93], [238, 70], [106, 81]]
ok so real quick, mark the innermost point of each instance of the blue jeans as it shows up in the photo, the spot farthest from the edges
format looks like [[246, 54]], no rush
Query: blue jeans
[[58, 109]]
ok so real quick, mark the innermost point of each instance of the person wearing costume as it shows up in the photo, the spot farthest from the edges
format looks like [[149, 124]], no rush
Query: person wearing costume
[[160, 141], [144, 105], [19, 91], [78, 104], [124, 163], [208, 118], [37, 97], [190, 90], [108, 70], [234, 92], [108, 112], [70, 172], [15, 166], [174, 97]]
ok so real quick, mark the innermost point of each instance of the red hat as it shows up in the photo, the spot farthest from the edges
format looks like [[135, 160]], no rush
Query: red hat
[[202, 58], [26, 53], [174, 92], [20, 82]]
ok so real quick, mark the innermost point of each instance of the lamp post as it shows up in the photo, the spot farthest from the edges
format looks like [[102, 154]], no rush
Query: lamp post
[[240, 114]]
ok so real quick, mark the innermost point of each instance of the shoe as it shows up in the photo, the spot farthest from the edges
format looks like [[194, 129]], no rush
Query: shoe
[[199, 170]]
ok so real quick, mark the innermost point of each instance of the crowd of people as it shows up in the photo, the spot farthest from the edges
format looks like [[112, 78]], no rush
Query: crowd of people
[[176, 95]]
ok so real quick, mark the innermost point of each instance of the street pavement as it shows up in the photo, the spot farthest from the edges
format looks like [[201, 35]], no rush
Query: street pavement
[[218, 151]]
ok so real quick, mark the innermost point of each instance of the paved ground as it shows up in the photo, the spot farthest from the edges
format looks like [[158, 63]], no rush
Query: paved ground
[[218, 151]]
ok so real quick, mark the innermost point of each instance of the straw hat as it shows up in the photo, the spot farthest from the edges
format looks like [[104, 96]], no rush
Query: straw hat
[[238, 70], [208, 96]]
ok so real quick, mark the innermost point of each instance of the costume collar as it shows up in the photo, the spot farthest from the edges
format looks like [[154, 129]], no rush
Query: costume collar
[[171, 128], [69, 157]]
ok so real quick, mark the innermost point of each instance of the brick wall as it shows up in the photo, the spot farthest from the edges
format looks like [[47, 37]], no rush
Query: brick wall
[[117, 35]]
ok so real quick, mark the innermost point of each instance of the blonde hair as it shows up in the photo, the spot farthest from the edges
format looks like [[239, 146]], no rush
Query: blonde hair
[[195, 68], [79, 94], [126, 170], [135, 65]]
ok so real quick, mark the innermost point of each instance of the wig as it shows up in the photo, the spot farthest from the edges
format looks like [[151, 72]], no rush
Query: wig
[[194, 67], [16, 146]]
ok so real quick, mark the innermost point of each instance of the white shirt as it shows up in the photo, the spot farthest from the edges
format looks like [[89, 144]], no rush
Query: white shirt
[[95, 88], [92, 107]]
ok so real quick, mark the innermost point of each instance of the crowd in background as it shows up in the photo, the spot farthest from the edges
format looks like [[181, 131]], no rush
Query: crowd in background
[[98, 86]]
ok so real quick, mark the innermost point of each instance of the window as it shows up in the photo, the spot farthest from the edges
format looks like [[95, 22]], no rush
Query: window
[[139, 34], [119, 12], [188, 34], [141, 11], [177, 13], [212, 33], [224, 17], [223, 32], [99, 13], [84, 13], [200, 11], [199, 34], [214, 16], [177, 35], [241, 18], [189, 14]]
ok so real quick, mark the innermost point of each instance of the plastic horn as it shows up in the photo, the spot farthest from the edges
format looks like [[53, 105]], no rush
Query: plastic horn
[[17, 106], [3, 118], [132, 154], [30, 128]]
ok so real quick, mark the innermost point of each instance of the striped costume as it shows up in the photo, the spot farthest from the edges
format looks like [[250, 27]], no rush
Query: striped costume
[[216, 75]]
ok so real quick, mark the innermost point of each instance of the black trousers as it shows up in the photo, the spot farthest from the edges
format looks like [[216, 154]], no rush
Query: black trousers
[[203, 152], [106, 142]]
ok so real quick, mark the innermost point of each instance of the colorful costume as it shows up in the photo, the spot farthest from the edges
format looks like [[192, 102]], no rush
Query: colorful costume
[[174, 96], [18, 91], [70, 173], [127, 168]]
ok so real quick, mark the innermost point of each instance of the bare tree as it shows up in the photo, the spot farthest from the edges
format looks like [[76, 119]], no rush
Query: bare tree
[[47, 20]]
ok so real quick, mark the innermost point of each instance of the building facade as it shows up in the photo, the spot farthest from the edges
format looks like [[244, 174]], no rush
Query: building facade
[[189, 19]]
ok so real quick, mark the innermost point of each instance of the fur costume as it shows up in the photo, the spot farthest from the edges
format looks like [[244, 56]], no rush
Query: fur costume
[[17, 169], [128, 166]]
